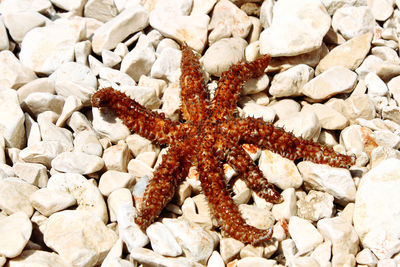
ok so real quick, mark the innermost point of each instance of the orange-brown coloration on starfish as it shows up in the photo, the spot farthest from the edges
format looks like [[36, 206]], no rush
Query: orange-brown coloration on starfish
[[212, 135]]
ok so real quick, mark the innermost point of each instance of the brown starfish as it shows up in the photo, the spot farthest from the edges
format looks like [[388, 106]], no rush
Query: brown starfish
[[212, 134]]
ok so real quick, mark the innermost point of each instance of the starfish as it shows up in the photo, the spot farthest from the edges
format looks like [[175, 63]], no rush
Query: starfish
[[210, 134]]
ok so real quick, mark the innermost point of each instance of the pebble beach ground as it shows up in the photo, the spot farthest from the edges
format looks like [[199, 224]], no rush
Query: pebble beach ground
[[71, 176]]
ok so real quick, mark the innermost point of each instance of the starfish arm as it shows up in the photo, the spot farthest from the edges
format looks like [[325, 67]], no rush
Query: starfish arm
[[161, 187], [266, 136], [193, 94], [222, 205], [251, 174], [230, 85], [147, 123]]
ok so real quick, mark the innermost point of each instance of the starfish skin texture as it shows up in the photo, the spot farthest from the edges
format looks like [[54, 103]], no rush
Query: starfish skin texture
[[209, 135]]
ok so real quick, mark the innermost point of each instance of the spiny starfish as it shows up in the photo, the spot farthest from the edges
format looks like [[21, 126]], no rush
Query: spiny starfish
[[212, 134]]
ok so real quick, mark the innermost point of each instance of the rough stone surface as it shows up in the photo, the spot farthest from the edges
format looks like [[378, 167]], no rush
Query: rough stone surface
[[296, 28], [87, 195], [375, 216], [15, 232], [79, 237]]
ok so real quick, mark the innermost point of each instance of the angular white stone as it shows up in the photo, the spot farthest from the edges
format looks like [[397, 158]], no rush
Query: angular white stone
[[190, 29], [229, 248], [333, 81], [14, 73], [352, 21], [39, 102], [196, 243], [375, 85], [328, 117], [80, 238], [33, 173], [145, 96], [113, 180], [222, 54], [48, 201], [335, 181], [139, 60], [280, 171], [15, 231], [316, 205], [14, 196], [128, 230], [116, 157], [129, 21], [304, 234], [43, 49], [44, 85], [82, 51], [228, 15], [303, 124], [366, 257], [122, 196], [109, 126], [11, 119], [115, 78], [51, 132], [288, 207], [257, 85], [25, 5], [258, 217], [102, 10], [290, 82], [87, 195], [162, 241], [150, 258], [87, 142], [215, 260], [375, 216], [255, 110], [42, 152], [349, 54], [19, 23], [110, 59], [342, 234], [255, 261], [4, 43], [381, 10], [37, 257], [77, 162], [71, 104], [167, 65], [297, 28]]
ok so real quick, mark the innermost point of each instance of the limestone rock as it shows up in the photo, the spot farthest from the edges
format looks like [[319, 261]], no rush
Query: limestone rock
[[80, 238]]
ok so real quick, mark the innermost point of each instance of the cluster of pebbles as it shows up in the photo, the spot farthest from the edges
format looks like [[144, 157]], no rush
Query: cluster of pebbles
[[71, 176]]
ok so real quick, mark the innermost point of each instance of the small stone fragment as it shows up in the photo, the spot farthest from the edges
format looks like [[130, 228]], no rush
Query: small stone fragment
[[15, 231], [33, 173], [315, 206], [196, 243], [112, 180], [129, 21], [48, 201], [280, 171], [87, 195], [333, 81], [14, 196], [297, 27], [162, 241], [77, 162], [335, 181], [304, 234], [79, 237]]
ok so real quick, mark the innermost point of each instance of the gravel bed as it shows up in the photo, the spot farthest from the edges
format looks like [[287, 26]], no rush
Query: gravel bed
[[71, 176]]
